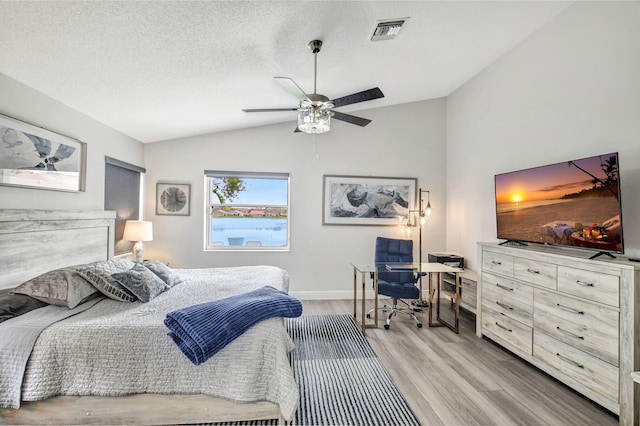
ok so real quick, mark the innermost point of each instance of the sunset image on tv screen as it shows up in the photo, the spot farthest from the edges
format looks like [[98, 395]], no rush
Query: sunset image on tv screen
[[574, 203]]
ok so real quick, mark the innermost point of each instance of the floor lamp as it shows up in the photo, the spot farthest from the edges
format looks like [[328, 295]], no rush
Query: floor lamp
[[424, 212]]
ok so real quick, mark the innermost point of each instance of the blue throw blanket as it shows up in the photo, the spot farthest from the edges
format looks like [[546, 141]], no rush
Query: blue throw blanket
[[202, 330]]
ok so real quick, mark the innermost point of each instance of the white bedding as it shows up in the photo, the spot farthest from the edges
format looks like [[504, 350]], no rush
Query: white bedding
[[117, 349]]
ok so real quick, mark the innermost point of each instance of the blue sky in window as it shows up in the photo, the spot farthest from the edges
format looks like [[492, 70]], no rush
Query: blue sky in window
[[263, 192]]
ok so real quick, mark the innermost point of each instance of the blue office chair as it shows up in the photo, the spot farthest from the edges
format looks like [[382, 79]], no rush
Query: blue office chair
[[398, 285]]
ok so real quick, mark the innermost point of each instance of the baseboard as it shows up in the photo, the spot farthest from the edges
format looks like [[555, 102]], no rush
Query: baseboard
[[327, 295]]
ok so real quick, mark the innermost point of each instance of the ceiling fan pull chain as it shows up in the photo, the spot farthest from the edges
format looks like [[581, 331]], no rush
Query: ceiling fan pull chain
[[315, 148]]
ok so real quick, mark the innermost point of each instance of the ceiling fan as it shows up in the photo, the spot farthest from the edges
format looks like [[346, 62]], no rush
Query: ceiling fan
[[315, 110]]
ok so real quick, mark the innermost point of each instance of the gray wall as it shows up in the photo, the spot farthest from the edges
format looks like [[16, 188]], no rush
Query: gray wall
[[570, 91], [24, 103], [403, 141]]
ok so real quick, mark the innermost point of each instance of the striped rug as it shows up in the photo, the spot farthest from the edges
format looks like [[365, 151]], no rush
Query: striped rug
[[342, 382]]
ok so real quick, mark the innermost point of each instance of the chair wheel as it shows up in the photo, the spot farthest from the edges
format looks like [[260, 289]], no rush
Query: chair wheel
[[419, 325], [386, 326]]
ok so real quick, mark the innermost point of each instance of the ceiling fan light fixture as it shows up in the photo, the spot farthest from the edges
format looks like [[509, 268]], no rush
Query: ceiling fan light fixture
[[314, 120], [315, 110]]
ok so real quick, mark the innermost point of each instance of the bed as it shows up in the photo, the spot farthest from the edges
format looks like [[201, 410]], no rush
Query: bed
[[143, 378]]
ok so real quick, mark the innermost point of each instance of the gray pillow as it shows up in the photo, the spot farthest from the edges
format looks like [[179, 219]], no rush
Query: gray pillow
[[164, 272], [61, 287], [12, 305], [140, 281], [99, 275]]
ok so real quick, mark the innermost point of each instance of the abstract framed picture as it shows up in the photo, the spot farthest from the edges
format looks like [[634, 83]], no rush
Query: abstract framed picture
[[173, 199], [365, 200], [33, 157]]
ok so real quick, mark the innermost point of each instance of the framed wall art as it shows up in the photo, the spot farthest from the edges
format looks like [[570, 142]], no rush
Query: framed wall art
[[33, 157], [173, 199], [364, 200]]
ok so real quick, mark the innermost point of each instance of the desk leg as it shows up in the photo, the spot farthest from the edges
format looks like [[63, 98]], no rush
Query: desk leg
[[364, 280], [433, 323], [430, 300], [355, 293], [375, 303], [457, 303], [362, 321]]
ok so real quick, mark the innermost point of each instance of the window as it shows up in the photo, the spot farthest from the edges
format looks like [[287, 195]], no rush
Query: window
[[122, 194], [247, 211]]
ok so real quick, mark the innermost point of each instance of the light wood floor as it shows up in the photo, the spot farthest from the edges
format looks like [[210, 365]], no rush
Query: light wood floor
[[460, 379]]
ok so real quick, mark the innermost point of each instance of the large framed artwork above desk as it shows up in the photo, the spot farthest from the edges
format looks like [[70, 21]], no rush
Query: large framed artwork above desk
[[362, 272]]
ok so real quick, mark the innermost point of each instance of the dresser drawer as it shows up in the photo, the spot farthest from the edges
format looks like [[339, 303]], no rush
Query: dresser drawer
[[513, 333], [603, 288], [468, 292], [516, 309], [595, 374], [591, 328], [509, 297], [534, 272], [497, 262]]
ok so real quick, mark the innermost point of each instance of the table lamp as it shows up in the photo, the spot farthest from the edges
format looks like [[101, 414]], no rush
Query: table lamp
[[138, 231]]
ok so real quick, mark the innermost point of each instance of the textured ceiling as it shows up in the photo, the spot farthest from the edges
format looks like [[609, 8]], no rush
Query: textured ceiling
[[164, 70]]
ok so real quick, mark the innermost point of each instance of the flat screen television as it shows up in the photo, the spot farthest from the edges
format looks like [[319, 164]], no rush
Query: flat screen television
[[575, 204]]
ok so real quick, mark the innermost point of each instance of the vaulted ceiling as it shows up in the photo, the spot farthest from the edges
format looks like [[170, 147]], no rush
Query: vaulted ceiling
[[161, 70]]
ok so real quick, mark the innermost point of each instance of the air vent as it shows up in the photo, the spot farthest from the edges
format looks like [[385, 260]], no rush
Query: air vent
[[387, 30]]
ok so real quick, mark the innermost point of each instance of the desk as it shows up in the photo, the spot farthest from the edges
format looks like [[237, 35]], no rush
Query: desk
[[361, 270]]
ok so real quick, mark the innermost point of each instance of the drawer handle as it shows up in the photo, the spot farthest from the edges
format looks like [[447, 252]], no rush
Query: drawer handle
[[568, 333], [584, 284], [533, 271], [566, 308], [495, 262], [503, 327], [504, 287], [570, 361], [504, 306]]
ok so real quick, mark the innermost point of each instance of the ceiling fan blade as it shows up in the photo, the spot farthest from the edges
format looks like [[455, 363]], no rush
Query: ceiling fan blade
[[291, 87], [350, 118], [269, 109], [366, 95]]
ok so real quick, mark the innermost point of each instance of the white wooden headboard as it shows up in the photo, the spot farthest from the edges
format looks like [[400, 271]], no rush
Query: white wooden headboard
[[33, 242]]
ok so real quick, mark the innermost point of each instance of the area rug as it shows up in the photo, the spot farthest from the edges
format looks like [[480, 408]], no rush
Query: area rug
[[342, 381]]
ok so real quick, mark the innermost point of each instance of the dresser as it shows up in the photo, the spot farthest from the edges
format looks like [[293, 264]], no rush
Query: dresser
[[577, 319]]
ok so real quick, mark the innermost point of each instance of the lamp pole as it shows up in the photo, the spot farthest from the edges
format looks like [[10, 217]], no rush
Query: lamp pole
[[422, 303]]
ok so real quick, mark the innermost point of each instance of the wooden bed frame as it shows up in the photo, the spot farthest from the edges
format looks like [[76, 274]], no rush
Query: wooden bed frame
[[33, 242]]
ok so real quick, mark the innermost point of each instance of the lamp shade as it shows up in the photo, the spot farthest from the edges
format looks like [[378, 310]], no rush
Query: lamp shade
[[138, 230]]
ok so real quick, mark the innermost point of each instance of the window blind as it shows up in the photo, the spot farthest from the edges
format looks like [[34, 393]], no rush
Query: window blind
[[122, 194]]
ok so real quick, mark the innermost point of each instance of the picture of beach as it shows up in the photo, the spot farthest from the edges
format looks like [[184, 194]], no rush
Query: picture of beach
[[574, 203]]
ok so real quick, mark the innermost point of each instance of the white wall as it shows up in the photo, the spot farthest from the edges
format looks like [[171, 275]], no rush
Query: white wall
[[403, 141], [570, 91], [24, 103]]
